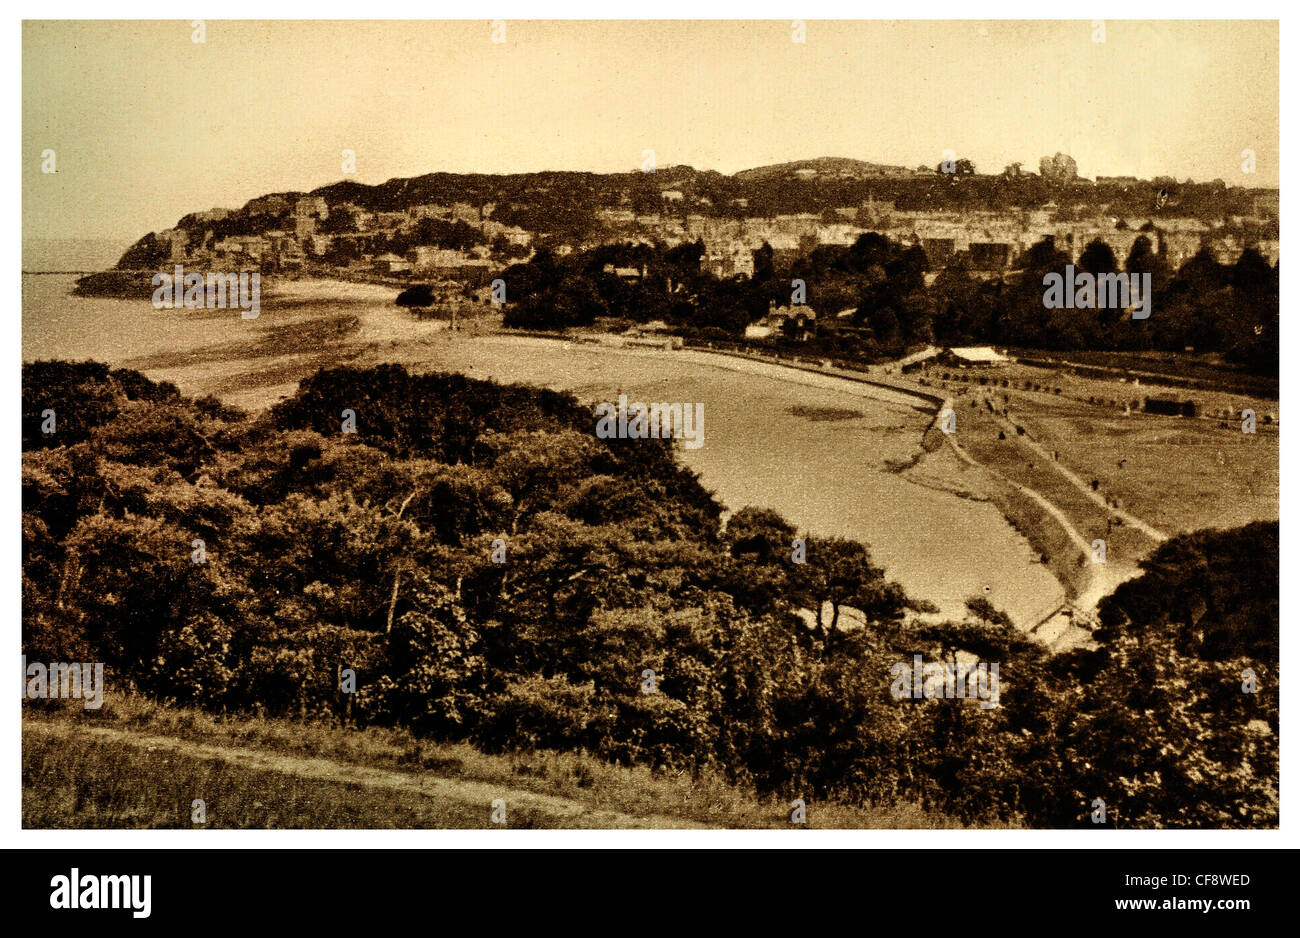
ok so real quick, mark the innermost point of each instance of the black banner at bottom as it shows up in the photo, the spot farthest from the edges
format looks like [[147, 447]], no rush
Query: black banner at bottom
[[652, 889]]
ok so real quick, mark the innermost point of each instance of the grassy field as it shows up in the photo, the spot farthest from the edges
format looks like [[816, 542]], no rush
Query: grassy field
[[136, 764], [1013, 458], [1177, 474]]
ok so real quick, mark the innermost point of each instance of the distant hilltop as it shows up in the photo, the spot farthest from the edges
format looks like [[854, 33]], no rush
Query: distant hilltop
[[828, 167]]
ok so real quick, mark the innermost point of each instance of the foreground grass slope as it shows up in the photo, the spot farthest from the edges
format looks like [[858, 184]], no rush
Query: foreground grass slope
[[137, 764]]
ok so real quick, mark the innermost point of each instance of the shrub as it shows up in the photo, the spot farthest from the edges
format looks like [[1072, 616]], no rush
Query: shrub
[[537, 712]]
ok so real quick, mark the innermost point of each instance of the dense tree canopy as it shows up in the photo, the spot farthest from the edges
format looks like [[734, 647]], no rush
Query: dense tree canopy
[[1210, 307]]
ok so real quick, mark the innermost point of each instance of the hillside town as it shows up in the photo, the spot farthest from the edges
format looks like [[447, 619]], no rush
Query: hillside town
[[466, 241]]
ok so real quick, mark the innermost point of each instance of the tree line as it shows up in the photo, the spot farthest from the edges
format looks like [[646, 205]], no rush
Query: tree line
[[873, 299]]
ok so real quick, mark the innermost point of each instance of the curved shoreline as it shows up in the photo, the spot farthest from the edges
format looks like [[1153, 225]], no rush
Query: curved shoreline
[[1079, 593]]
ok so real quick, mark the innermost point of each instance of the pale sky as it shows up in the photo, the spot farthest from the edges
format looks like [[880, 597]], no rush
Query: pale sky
[[148, 125]]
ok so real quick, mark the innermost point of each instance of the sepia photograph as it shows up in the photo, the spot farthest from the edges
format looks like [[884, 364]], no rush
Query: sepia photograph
[[715, 425]]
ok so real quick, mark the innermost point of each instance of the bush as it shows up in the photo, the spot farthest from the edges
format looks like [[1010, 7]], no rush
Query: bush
[[419, 295], [534, 712]]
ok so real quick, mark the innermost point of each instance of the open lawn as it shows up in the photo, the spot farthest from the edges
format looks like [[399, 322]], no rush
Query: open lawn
[[1177, 474]]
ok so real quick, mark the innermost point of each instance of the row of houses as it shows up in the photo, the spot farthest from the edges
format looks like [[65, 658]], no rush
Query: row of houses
[[476, 216], [282, 250], [435, 264], [306, 214], [990, 241]]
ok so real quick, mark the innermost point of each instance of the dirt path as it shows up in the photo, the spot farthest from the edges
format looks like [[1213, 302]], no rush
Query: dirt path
[[1061, 632], [1050, 459], [1048, 506], [461, 791]]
